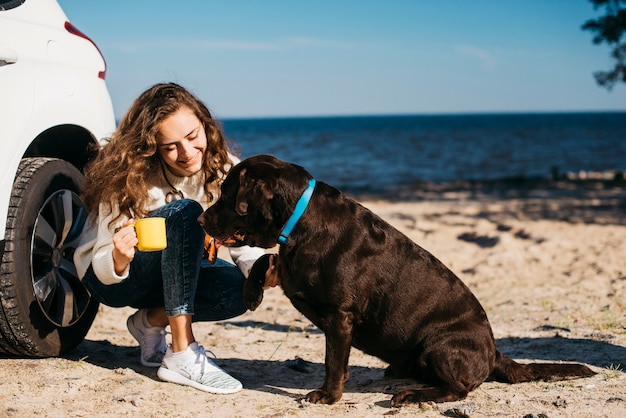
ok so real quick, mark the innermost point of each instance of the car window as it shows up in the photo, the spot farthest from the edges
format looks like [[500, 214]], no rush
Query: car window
[[10, 4]]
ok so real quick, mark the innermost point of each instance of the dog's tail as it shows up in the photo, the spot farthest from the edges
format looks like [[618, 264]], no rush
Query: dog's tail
[[509, 371]]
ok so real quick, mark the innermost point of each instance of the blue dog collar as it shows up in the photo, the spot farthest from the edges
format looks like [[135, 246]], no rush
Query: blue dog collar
[[303, 202]]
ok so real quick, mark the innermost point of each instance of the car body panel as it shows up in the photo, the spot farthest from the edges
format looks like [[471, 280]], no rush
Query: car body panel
[[52, 83]]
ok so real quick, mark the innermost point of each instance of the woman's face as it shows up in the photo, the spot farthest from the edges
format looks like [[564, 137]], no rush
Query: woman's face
[[182, 142]]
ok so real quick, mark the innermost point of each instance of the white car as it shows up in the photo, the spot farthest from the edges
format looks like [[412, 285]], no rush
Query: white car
[[54, 108]]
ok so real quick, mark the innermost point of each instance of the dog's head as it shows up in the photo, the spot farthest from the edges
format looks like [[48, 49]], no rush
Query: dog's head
[[257, 197]]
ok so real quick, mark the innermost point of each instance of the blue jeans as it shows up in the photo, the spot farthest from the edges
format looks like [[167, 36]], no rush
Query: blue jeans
[[177, 278]]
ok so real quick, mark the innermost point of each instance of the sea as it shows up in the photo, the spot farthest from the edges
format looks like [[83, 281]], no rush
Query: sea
[[380, 154]]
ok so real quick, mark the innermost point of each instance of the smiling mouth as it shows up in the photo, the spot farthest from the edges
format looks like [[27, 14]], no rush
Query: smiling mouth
[[191, 160]]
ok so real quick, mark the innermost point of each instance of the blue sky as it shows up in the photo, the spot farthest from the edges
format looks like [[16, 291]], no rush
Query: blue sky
[[353, 57]]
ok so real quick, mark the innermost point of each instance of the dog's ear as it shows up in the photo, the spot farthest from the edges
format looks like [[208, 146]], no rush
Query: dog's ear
[[241, 203], [256, 186], [242, 208]]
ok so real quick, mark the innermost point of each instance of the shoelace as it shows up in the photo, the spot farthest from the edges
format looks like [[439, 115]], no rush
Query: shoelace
[[210, 352], [201, 350], [217, 376]]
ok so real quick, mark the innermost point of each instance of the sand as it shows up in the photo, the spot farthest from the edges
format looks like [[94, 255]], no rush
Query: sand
[[548, 263]]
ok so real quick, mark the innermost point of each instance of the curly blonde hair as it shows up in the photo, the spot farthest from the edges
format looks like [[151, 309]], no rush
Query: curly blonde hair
[[117, 175]]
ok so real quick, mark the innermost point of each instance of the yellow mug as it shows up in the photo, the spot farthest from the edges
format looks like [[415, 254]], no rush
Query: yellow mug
[[151, 234]]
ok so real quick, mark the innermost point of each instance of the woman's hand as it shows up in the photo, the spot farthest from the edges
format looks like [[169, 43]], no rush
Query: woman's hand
[[124, 246], [271, 275]]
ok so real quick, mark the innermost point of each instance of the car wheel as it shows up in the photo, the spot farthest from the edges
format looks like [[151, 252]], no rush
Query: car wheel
[[45, 310]]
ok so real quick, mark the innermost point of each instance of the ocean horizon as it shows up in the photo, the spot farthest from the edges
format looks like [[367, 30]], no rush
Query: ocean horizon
[[383, 153]]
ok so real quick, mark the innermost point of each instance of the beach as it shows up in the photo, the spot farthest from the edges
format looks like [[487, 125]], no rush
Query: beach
[[546, 261]]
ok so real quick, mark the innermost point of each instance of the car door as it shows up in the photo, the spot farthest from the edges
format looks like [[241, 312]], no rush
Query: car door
[[17, 86]]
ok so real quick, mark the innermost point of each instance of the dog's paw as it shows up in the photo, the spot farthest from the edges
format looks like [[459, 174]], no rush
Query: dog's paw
[[253, 286], [252, 294], [323, 397]]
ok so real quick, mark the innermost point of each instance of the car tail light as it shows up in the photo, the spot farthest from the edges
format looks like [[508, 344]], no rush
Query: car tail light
[[74, 31]]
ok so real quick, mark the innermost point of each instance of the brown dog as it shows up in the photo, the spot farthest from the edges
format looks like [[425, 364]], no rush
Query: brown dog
[[364, 284]]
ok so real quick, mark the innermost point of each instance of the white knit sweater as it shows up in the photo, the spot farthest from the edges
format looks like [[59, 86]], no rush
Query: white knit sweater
[[96, 243]]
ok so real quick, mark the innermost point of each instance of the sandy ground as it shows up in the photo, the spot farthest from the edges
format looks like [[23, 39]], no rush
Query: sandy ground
[[548, 265]]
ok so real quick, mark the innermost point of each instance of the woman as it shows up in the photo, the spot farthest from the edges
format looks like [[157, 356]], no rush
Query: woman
[[167, 158]]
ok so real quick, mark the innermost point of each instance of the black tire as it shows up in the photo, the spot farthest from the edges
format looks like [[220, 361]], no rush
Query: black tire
[[45, 311]]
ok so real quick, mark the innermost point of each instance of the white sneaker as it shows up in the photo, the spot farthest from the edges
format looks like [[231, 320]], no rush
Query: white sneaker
[[150, 339], [193, 368]]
